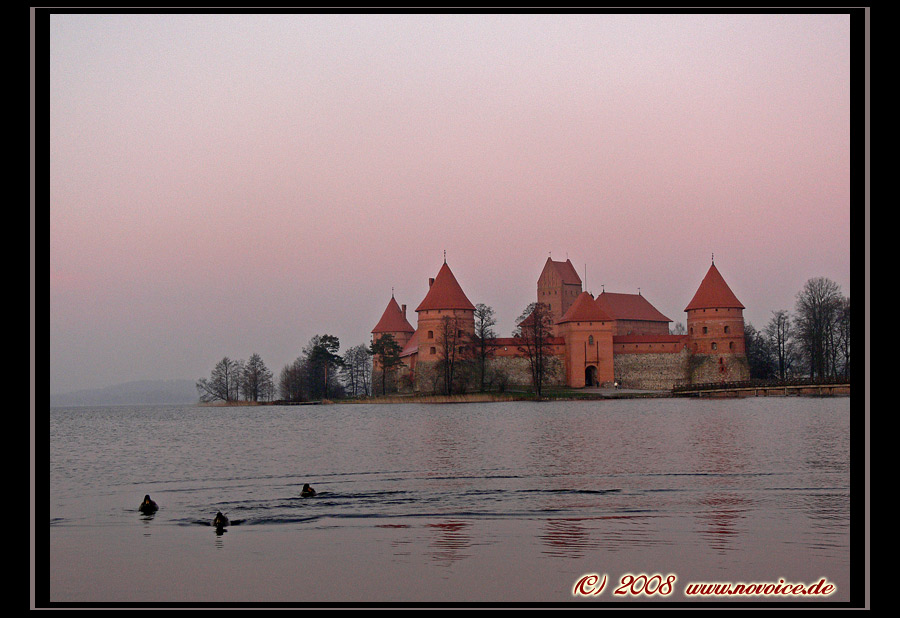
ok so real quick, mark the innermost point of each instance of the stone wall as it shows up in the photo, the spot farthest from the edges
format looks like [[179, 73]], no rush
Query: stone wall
[[718, 368], [502, 373], [652, 371], [516, 371]]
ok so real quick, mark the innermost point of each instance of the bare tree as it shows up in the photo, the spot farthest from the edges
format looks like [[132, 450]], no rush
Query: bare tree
[[485, 337], [843, 343], [759, 352], [356, 370], [780, 332], [816, 311], [534, 335], [292, 381], [453, 348], [222, 383]]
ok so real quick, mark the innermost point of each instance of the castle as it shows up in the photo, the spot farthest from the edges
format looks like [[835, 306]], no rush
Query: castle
[[611, 339]]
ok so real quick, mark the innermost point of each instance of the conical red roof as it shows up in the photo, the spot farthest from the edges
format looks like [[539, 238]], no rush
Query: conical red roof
[[393, 320], [584, 309], [445, 293], [714, 293]]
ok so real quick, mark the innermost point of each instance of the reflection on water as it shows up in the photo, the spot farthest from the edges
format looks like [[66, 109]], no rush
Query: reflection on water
[[555, 487], [567, 538], [722, 519], [450, 541]]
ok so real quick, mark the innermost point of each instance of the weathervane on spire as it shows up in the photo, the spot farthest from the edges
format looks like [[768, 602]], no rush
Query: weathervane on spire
[[713, 258], [392, 291], [445, 256]]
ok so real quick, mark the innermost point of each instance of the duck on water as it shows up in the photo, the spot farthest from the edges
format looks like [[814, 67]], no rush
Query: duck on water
[[148, 506]]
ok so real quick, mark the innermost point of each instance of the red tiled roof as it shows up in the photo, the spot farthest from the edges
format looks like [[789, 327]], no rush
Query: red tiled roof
[[629, 307], [584, 309], [566, 271], [412, 346], [445, 293], [714, 293], [393, 320]]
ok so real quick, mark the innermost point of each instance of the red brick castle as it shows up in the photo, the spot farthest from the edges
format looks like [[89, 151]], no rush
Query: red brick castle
[[613, 338]]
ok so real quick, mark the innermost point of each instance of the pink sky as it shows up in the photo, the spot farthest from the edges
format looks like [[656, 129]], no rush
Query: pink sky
[[230, 185]]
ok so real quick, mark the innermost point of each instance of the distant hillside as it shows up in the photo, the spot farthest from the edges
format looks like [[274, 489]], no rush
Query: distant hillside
[[131, 393]]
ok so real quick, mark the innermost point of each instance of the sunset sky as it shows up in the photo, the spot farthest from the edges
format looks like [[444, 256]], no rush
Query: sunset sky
[[223, 185]]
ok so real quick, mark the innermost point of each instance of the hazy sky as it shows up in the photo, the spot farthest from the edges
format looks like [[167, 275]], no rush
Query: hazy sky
[[224, 185]]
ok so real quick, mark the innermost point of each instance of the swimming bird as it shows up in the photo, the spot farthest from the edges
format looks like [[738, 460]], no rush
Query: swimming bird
[[308, 491], [220, 521], [148, 505]]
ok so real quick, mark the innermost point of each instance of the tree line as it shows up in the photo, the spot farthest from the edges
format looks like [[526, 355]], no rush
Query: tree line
[[320, 372], [813, 341]]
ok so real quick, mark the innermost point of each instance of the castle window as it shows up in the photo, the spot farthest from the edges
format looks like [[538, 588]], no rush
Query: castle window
[[459, 333], [692, 330], [431, 334], [433, 351], [726, 329], [590, 340], [705, 330], [714, 346], [731, 345]]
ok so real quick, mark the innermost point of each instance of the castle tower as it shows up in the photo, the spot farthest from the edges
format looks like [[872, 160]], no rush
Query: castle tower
[[558, 286], [588, 332], [445, 299], [715, 324], [393, 321]]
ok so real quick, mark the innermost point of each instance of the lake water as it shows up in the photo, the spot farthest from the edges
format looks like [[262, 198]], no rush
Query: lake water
[[452, 503]]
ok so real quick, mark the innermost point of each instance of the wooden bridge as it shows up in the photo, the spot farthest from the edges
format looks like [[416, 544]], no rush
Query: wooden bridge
[[766, 388]]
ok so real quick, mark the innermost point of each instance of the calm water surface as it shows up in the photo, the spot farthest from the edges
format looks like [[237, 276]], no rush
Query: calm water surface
[[502, 502]]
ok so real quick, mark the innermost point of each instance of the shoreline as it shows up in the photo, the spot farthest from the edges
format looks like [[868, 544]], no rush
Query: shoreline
[[594, 394]]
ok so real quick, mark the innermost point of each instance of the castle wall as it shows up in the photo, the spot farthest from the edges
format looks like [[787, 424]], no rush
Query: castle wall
[[652, 371], [642, 344], [718, 368], [508, 371]]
